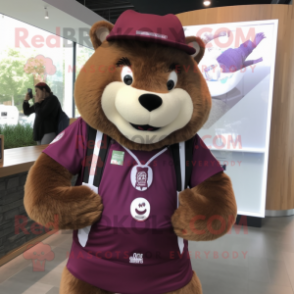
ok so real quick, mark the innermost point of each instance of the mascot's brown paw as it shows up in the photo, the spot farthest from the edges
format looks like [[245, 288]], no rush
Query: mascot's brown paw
[[207, 211], [84, 211], [56, 201], [183, 219]]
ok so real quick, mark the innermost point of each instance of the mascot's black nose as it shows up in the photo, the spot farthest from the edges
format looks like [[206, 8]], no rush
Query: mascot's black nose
[[150, 101]]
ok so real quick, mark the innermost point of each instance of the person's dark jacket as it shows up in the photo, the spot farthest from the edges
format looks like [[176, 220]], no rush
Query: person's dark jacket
[[47, 113]]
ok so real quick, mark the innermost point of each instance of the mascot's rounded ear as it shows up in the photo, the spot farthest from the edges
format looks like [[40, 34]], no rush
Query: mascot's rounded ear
[[99, 31], [199, 46]]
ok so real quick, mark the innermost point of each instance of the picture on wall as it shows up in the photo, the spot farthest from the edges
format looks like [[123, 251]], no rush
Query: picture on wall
[[238, 66]]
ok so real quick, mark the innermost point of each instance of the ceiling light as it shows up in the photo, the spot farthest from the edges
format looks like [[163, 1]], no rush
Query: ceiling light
[[46, 13], [207, 3]]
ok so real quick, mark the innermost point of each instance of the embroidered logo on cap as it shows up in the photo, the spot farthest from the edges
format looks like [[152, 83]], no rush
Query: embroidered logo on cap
[[143, 33]]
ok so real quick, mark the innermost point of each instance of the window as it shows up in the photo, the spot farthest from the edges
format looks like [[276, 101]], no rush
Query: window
[[29, 55], [83, 54]]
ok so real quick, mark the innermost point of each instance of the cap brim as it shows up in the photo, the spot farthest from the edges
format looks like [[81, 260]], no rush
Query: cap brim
[[184, 47]]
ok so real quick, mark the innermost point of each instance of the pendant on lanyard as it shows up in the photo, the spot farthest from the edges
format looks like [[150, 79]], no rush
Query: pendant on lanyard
[[141, 179], [142, 175]]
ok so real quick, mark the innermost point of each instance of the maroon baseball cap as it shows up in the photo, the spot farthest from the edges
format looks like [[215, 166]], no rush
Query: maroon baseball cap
[[165, 30]]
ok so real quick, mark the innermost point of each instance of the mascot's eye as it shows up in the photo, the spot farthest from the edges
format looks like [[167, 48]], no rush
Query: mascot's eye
[[170, 85], [128, 80], [172, 80], [127, 75]]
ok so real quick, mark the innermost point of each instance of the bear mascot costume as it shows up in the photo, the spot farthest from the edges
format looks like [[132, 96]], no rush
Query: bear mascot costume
[[146, 181]]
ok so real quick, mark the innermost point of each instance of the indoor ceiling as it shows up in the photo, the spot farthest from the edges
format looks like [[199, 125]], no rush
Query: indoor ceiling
[[111, 9]]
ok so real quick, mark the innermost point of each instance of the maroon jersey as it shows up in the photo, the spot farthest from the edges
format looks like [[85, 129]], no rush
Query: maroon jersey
[[123, 254]]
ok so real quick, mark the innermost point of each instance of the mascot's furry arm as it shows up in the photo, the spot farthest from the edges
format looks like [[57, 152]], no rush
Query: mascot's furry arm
[[50, 198], [207, 211]]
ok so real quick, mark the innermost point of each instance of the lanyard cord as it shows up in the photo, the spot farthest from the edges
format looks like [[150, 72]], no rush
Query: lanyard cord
[[149, 161]]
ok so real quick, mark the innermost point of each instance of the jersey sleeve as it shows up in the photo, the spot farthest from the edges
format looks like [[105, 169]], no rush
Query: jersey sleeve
[[204, 164], [69, 147]]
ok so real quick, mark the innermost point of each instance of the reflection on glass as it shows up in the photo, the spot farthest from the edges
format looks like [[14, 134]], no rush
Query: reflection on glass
[[29, 55], [83, 54]]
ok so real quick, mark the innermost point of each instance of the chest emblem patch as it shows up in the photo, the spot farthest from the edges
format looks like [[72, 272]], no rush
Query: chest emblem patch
[[140, 209], [141, 177]]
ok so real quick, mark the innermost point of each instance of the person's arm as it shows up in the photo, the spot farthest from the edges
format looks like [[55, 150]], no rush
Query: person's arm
[[27, 109], [46, 107]]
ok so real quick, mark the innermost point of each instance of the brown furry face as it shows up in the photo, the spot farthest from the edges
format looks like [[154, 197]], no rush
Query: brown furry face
[[151, 66]]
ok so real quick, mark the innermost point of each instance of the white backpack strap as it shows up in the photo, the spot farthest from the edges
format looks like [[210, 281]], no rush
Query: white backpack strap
[[83, 234], [98, 142], [182, 153], [182, 150]]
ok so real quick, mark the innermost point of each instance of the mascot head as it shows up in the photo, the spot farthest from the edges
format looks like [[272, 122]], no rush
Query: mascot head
[[142, 86]]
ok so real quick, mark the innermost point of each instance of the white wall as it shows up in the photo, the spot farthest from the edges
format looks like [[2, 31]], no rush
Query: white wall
[[65, 14], [76, 10]]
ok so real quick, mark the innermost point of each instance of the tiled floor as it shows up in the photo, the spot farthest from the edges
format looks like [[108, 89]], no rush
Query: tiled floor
[[260, 261]]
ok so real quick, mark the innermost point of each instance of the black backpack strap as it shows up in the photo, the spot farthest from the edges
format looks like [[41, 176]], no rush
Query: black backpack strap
[[101, 162], [189, 146], [88, 160], [175, 150]]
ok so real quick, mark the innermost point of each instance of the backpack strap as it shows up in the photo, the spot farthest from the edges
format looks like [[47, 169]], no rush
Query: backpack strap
[[101, 159], [175, 150], [183, 153], [189, 148], [93, 169], [89, 155], [96, 156]]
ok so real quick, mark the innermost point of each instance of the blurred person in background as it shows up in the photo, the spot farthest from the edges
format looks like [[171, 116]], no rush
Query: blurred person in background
[[47, 108]]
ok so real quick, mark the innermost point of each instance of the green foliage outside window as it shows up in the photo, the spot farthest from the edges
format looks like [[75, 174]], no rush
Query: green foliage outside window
[[17, 136], [14, 81]]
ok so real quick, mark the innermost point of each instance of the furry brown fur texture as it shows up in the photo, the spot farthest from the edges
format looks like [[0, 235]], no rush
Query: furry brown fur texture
[[72, 285], [206, 212], [50, 198], [151, 75], [199, 56], [95, 28]]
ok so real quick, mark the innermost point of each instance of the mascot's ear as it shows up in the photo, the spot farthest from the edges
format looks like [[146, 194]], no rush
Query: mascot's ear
[[199, 46], [99, 31]]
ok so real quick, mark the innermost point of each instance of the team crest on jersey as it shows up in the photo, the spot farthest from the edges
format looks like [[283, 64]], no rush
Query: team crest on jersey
[[141, 177]]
